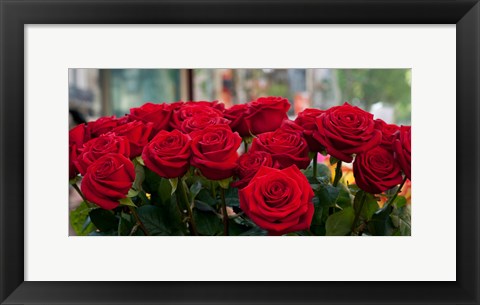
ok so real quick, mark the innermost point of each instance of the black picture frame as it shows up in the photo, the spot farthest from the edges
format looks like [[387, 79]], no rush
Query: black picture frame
[[17, 13]]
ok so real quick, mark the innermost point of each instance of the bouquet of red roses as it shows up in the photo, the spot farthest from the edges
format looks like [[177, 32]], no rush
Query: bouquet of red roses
[[181, 169]]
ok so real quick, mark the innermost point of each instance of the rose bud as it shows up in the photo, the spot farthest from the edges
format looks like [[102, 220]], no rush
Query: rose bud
[[214, 151], [101, 126], [168, 154], [108, 180], [279, 201], [201, 121], [376, 170], [403, 148], [307, 119], [98, 147], [236, 115], [192, 109], [389, 133], [287, 147], [158, 114], [266, 114], [137, 134], [346, 130], [248, 165]]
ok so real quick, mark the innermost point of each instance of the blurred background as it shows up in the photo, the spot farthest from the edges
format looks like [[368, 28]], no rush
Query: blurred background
[[99, 92]]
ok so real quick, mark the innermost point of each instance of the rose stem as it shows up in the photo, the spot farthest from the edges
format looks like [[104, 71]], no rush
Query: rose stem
[[214, 193], [139, 222], [357, 213], [224, 212], [181, 188], [338, 173], [75, 186], [245, 145], [396, 193], [315, 166]]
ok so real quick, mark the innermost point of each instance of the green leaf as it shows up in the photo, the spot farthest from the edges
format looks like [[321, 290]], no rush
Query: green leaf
[[231, 197], [165, 220], [104, 220], [151, 182], [132, 193], [330, 196], [207, 223], [370, 205], [340, 223], [235, 228], [195, 188], [139, 159], [127, 201], [203, 206], [381, 223], [174, 184], [139, 176], [323, 173], [400, 202], [402, 226], [124, 226], [206, 196], [344, 200], [74, 180], [165, 191], [224, 183], [80, 221]]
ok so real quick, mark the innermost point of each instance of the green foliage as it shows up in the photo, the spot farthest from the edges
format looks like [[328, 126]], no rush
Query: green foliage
[[368, 207], [164, 220], [104, 220], [381, 224], [331, 196], [80, 220], [340, 223], [207, 223]]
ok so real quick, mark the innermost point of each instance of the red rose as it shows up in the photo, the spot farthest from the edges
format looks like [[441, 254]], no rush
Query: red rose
[[108, 180], [98, 147], [279, 201], [76, 137], [123, 120], [307, 119], [158, 114], [248, 166], [287, 147], [236, 115], [389, 133], [292, 126], [214, 151], [191, 109], [266, 114], [403, 149], [102, 125], [376, 170], [137, 134], [199, 122], [346, 130], [168, 154]]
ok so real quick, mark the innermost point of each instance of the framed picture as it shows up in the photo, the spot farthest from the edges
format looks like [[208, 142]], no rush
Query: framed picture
[[90, 61]]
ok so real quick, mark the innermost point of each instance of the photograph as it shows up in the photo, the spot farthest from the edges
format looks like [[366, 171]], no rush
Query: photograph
[[239, 152]]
